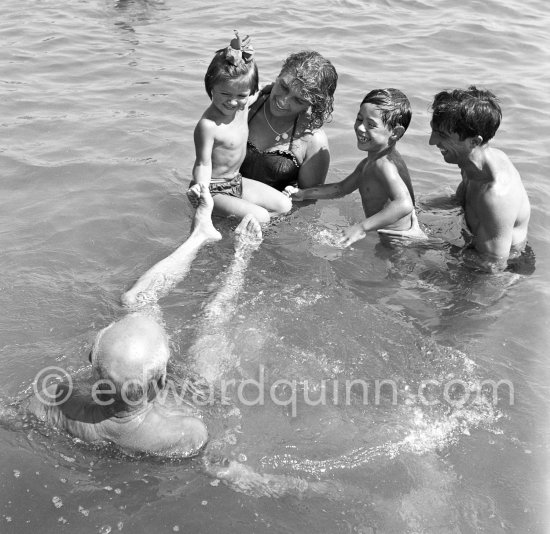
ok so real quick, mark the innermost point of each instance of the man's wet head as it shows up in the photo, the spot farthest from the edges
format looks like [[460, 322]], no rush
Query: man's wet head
[[130, 356]]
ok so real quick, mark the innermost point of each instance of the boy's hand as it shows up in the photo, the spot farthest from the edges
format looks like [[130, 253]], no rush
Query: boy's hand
[[194, 195], [294, 193], [352, 234]]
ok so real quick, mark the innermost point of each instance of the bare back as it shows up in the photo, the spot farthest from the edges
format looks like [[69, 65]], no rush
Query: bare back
[[496, 206]]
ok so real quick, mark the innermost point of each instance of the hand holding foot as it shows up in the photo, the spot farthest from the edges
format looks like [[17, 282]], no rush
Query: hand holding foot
[[194, 194], [202, 221]]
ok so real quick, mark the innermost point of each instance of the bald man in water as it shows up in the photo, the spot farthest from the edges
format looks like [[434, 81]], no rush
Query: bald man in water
[[125, 402], [121, 402]]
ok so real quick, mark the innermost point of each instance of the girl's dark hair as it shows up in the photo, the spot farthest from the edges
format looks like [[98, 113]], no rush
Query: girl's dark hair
[[221, 70]]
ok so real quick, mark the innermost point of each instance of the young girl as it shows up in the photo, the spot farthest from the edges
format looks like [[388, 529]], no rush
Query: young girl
[[221, 134]]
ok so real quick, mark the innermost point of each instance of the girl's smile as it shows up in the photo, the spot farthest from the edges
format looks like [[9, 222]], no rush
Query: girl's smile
[[230, 96]]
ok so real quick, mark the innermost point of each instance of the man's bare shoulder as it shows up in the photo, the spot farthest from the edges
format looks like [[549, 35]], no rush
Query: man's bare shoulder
[[503, 172], [165, 430]]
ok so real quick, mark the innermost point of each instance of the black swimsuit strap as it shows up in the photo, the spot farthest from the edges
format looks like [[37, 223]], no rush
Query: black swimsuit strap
[[265, 96]]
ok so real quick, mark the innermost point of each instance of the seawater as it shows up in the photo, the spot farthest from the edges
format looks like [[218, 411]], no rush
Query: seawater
[[99, 101]]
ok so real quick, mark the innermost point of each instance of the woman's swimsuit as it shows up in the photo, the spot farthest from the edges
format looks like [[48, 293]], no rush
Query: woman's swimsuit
[[275, 167]]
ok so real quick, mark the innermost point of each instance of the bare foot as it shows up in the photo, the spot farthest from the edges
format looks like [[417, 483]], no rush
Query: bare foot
[[249, 232], [202, 222]]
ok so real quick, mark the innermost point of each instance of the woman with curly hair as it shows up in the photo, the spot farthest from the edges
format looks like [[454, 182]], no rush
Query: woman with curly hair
[[286, 142]]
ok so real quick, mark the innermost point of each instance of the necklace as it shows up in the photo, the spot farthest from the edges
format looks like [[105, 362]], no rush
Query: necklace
[[278, 136]]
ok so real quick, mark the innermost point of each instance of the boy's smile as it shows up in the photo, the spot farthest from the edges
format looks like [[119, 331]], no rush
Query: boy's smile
[[372, 134]]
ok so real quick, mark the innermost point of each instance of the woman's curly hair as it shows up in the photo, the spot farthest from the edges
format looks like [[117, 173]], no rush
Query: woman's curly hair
[[317, 78]]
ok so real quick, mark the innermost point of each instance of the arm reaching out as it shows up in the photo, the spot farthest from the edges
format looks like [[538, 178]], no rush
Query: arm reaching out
[[326, 191]]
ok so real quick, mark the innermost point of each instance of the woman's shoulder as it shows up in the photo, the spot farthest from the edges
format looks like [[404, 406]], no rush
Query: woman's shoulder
[[314, 138]]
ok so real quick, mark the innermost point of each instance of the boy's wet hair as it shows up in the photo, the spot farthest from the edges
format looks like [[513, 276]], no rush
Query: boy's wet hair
[[317, 80], [221, 70], [394, 106], [467, 112]]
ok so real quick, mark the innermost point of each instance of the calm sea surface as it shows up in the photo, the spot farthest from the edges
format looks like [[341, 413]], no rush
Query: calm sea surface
[[98, 101]]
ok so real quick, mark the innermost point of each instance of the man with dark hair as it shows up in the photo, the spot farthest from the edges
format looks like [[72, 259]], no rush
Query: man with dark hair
[[496, 206]]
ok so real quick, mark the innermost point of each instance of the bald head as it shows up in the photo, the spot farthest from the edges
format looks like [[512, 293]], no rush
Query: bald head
[[132, 349]]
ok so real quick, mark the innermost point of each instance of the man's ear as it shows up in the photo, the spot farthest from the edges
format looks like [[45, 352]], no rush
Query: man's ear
[[397, 133], [476, 141]]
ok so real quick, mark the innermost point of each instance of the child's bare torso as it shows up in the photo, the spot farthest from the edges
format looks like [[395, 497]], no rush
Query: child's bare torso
[[229, 150], [374, 195]]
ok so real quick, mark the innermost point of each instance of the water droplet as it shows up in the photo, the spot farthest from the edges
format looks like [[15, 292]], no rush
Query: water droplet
[[204, 503]]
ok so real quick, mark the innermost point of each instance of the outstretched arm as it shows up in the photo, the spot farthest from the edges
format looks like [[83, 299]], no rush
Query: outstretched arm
[[325, 191], [167, 273]]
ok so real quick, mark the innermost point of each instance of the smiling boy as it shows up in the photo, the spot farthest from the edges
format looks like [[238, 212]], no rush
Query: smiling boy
[[496, 206], [382, 178]]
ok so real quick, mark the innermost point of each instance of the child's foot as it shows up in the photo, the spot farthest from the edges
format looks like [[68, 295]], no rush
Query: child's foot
[[249, 232], [202, 221]]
